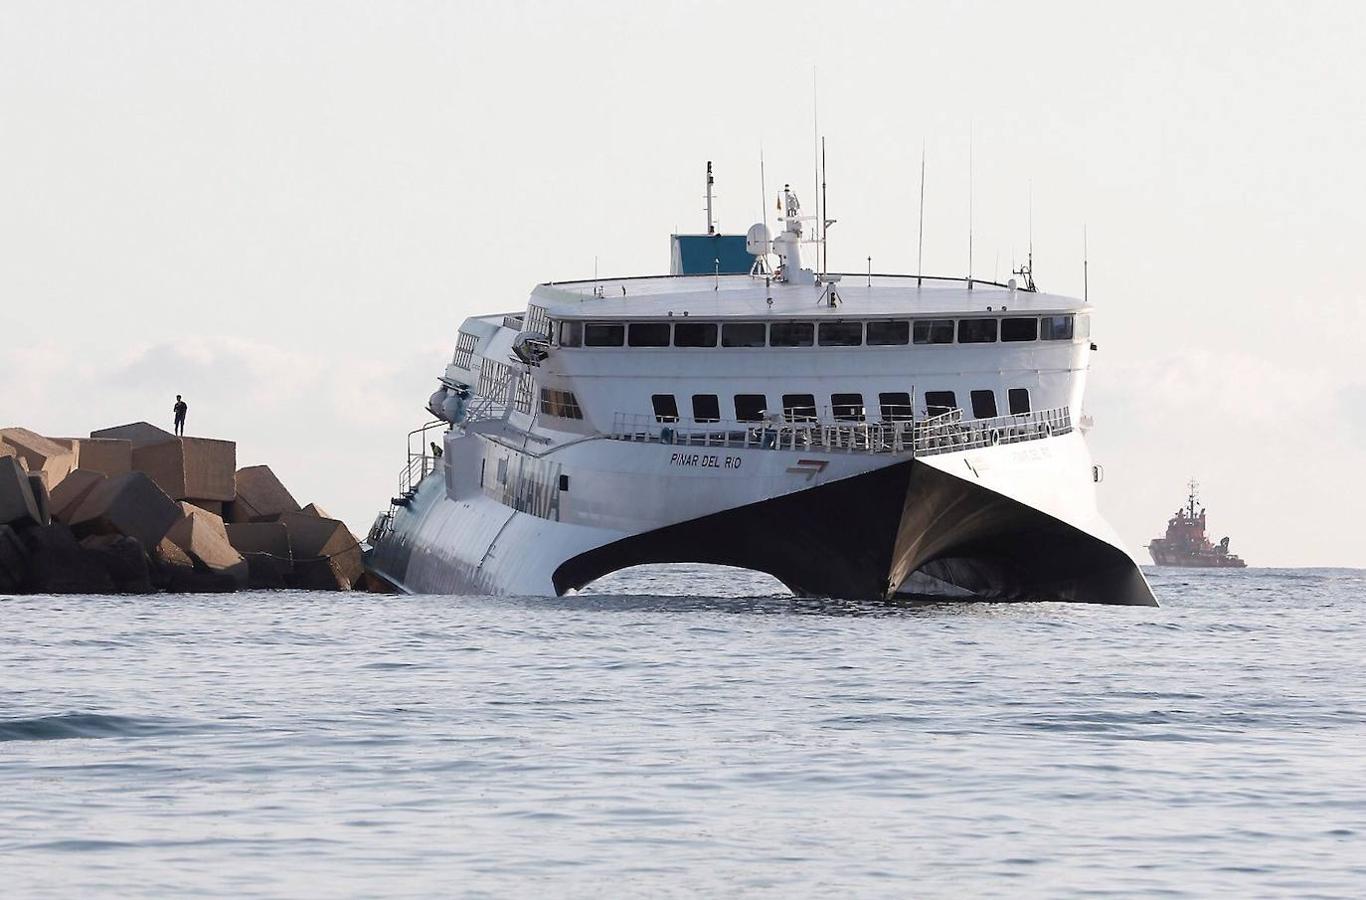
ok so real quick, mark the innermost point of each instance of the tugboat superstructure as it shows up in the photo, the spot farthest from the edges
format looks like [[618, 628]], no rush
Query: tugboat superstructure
[[855, 436], [1185, 543]]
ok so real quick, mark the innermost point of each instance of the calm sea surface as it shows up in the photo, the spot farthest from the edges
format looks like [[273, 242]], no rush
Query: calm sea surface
[[684, 731]]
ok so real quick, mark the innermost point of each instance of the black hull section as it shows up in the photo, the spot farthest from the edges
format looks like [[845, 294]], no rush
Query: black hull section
[[861, 537]]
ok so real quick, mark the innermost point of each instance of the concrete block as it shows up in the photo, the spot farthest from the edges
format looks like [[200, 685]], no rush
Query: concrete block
[[207, 544], [38, 488], [139, 434], [59, 565], [213, 506], [13, 561], [190, 467], [40, 453], [267, 550], [67, 496], [260, 496], [314, 509], [123, 559], [110, 456], [198, 512], [131, 505], [174, 571], [326, 555], [17, 506]]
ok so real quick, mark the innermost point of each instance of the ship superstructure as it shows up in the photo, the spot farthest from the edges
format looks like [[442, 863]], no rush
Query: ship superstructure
[[1185, 543], [852, 435]]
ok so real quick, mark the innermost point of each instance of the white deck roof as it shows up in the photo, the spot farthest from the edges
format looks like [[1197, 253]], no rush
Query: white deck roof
[[740, 296]]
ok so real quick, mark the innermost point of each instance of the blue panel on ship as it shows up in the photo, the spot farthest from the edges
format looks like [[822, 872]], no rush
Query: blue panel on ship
[[698, 254]]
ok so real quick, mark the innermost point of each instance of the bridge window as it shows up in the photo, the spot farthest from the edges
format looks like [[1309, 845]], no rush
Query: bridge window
[[799, 407], [976, 331], [791, 334], [984, 404], [604, 334], [885, 334], [705, 408], [695, 334], [743, 334], [847, 407], [1020, 329], [1018, 398], [939, 402], [571, 334], [895, 407], [1055, 328], [750, 407], [666, 407], [932, 331], [649, 334], [841, 334], [560, 403]]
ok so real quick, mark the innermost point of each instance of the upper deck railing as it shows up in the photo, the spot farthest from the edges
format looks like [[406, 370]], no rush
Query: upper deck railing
[[945, 433]]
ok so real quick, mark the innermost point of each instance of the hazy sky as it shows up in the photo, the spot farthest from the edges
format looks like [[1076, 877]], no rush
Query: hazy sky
[[284, 210]]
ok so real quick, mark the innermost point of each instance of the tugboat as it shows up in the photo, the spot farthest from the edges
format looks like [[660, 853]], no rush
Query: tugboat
[[1185, 543]]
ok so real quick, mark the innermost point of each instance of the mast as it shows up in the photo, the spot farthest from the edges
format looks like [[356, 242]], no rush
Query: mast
[[711, 222]]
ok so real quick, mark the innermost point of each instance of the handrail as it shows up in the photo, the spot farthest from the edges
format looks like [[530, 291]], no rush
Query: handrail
[[944, 433]]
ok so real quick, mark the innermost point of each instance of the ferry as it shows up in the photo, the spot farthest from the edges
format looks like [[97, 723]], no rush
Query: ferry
[[855, 435]]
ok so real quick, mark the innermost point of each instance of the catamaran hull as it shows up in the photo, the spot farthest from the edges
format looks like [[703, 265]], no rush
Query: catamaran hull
[[1004, 523]]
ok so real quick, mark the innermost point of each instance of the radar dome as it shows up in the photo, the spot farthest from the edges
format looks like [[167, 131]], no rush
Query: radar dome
[[758, 240]]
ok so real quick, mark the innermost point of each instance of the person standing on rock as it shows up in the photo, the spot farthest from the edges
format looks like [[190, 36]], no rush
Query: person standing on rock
[[180, 408]]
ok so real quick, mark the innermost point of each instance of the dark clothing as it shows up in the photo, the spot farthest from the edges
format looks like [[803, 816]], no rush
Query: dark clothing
[[180, 408]]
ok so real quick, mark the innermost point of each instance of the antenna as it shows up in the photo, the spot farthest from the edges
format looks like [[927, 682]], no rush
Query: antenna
[[763, 187], [815, 163], [711, 223], [826, 221], [1085, 284], [920, 232], [969, 207]]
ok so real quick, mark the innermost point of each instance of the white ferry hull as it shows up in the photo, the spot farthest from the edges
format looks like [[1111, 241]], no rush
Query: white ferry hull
[[1010, 522]]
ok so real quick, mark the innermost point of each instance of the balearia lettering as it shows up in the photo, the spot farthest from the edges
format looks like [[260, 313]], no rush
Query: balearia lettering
[[704, 461]]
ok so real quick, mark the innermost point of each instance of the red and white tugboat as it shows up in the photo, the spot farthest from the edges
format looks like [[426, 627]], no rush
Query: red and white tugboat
[[1185, 543]]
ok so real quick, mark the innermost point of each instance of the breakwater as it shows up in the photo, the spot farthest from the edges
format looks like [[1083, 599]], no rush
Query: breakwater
[[136, 509]]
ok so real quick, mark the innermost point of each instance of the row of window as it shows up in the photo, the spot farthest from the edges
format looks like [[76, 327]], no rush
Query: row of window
[[892, 406], [876, 333]]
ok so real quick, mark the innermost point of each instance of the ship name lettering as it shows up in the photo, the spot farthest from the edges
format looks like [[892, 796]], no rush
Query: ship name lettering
[[704, 461]]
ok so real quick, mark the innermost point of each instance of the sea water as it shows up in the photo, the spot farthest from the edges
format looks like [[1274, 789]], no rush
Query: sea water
[[688, 731]]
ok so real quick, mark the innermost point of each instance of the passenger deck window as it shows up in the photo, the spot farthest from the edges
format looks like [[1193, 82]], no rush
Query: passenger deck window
[[750, 407], [706, 408], [1020, 329], [932, 331], [799, 407], [695, 334], [885, 334], [562, 404], [841, 334], [895, 407], [1018, 399], [743, 334], [648, 334], [666, 407], [1055, 328], [847, 407], [791, 334], [603, 334], [939, 402], [571, 334], [976, 331], [984, 404]]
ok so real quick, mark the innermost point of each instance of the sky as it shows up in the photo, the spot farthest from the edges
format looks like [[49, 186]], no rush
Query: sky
[[284, 210]]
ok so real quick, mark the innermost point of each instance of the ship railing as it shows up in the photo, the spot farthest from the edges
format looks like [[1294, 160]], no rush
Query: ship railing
[[513, 321], [950, 432], [946, 433]]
